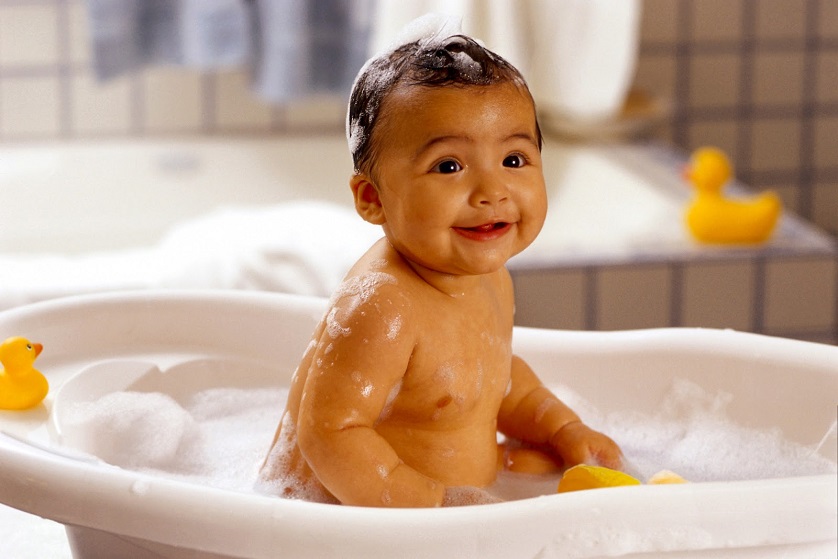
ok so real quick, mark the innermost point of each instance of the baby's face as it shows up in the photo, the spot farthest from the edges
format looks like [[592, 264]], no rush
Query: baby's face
[[458, 173]]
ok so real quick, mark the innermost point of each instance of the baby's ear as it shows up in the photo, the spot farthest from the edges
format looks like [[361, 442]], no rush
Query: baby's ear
[[367, 201]]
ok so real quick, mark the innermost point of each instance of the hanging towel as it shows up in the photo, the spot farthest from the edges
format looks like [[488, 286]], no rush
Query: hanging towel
[[309, 47], [294, 48], [500, 24], [585, 55], [578, 56], [129, 34]]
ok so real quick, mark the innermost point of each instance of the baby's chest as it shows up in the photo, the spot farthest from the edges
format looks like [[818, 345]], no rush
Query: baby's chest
[[456, 381]]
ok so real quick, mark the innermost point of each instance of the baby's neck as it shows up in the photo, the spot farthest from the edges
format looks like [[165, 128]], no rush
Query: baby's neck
[[453, 285]]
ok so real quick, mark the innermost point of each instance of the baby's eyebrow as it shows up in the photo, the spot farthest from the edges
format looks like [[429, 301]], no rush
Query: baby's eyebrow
[[441, 140], [526, 136]]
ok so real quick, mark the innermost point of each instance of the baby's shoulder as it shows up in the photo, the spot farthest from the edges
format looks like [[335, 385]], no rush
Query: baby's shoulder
[[370, 301]]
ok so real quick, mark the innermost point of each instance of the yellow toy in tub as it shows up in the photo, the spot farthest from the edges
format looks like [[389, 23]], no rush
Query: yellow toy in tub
[[21, 385], [584, 476], [714, 218]]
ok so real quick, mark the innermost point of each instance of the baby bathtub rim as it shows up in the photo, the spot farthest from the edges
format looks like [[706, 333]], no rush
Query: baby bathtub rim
[[158, 506], [33, 466]]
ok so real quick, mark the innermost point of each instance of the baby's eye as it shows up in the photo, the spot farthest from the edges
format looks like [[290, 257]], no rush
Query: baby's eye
[[448, 166], [515, 160]]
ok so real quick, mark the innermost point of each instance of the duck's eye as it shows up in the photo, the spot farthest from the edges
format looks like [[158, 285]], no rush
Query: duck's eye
[[515, 160], [447, 167], [29, 347]]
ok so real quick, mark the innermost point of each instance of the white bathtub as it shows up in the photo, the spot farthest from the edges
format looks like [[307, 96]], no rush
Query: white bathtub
[[110, 512]]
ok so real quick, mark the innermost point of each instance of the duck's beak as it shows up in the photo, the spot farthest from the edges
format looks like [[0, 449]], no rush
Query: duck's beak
[[38, 349], [687, 172]]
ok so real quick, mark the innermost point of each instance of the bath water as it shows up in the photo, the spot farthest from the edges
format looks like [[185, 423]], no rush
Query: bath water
[[230, 431]]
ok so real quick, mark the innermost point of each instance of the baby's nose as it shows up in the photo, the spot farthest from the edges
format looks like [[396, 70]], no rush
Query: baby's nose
[[490, 191]]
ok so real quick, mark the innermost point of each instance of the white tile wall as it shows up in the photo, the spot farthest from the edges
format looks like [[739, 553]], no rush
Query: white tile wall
[[28, 36], [30, 107], [173, 100], [101, 108]]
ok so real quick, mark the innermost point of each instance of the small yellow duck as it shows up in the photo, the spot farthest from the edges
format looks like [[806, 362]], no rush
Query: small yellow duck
[[712, 218], [21, 385], [583, 477]]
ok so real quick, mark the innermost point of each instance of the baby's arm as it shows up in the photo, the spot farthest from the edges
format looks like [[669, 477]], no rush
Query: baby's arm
[[531, 413], [355, 368]]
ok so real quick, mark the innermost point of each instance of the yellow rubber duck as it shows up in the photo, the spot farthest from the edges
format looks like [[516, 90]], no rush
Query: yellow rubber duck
[[713, 218], [583, 476], [21, 385]]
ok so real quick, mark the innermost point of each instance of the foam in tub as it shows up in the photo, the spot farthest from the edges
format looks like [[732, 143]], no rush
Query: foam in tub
[[219, 437], [703, 403]]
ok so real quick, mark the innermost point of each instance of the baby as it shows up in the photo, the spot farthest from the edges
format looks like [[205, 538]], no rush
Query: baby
[[410, 375]]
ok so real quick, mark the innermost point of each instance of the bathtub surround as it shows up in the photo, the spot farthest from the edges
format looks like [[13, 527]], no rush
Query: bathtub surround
[[613, 254], [787, 287]]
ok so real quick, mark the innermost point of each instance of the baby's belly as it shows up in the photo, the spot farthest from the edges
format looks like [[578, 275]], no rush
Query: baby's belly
[[462, 456]]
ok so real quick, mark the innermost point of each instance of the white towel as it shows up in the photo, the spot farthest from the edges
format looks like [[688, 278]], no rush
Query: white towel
[[584, 56], [300, 247], [578, 56]]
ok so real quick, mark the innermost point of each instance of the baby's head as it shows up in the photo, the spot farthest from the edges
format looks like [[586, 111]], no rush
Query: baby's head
[[456, 61]]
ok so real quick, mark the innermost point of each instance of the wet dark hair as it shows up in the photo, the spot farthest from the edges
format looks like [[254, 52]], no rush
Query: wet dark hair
[[457, 60]]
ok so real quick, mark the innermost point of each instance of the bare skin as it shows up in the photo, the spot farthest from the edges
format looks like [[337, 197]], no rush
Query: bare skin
[[410, 375]]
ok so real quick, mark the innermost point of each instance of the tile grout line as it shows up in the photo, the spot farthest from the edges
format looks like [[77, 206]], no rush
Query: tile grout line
[[744, 102], [759, 293], [806, 165], [591, 306], [676, 295], [64, 70]]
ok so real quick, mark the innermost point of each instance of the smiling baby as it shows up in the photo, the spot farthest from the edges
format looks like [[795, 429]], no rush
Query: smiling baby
[[410, 375]]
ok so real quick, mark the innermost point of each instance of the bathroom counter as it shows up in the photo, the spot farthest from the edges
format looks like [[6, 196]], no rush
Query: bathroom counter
[[615, 254], [624, 203]]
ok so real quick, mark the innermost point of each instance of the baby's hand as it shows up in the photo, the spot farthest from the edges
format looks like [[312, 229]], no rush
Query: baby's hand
[[577, 443]]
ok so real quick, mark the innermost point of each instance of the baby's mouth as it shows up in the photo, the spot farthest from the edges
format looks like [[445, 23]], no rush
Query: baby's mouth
[[484, 232]]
